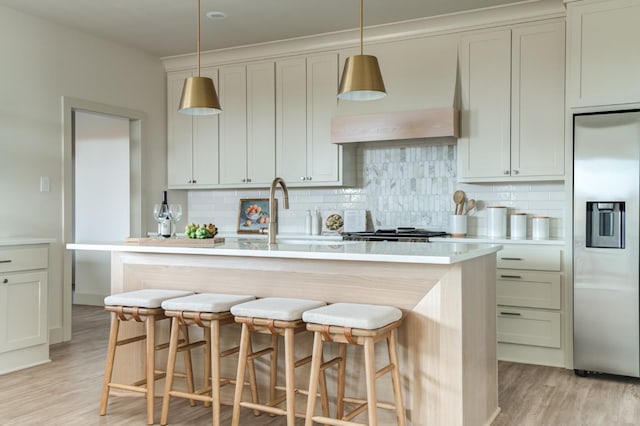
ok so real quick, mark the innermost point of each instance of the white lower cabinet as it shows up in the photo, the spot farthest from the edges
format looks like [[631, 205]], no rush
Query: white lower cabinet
[[529, 305], [24, 334]]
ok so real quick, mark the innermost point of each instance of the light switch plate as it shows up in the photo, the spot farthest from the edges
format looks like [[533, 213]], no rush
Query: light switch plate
[[44, 184]]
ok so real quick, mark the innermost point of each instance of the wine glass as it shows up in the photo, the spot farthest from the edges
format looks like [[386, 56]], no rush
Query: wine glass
[[157, 209], [175, 214]]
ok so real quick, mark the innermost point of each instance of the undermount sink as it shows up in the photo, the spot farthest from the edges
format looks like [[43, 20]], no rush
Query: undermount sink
[[313, 242]]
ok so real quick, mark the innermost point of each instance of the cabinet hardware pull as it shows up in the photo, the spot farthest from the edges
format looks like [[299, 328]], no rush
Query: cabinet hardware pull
[[510, 276], [5, 261], [308, 177], [6, 280], [515, 172], [194, 181], [515, 314], [506, 172], [249, 180], [303, 178], [511, 258]]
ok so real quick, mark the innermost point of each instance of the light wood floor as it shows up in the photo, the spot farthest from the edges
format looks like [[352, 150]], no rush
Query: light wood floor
[[67, 391]]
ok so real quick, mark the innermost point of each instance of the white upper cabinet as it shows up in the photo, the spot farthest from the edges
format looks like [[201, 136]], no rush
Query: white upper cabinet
[[247, 135], [512, 112], [192, 142], [485, 139], [604, 63], [306, 89]]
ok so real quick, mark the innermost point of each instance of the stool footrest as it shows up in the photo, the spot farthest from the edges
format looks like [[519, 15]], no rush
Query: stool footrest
[[379, 404], [330, 363], [131, 340], [258, 354], [303, 361], [191, 346], [187, 395], [265, 408], [383, 371], [335, 422], [132, 388], [230, 352]]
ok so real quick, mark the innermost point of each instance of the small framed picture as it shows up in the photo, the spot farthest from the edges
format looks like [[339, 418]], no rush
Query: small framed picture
[[253, 215], [332, 222]]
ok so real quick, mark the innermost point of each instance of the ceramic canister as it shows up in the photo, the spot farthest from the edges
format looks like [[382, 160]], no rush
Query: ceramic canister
[[496, 221], [540, 228], [519, 225]]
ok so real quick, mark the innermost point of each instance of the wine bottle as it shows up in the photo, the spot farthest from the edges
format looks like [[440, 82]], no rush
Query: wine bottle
[[164, 224]]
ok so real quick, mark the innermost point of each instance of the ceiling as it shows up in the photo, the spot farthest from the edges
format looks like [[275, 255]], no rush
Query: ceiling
[[168, 27]]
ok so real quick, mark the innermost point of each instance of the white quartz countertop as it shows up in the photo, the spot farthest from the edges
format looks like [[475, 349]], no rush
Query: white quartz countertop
[[483, 239], [400, 252]]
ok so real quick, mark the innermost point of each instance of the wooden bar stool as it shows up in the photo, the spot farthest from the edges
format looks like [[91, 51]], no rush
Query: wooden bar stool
[[140, 306], [356, 324], [209, 311], [275, 316]]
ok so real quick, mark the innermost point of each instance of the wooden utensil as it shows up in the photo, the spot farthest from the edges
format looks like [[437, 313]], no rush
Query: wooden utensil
[[470, 205], [458, 199]]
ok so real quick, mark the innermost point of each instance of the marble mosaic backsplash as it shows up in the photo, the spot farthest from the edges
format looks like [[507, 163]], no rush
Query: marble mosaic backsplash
[[410, 185]]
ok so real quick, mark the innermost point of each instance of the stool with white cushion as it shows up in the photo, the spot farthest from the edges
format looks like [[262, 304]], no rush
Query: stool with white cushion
[[275, 316], [357, 324], [140, 306], [209, 311]]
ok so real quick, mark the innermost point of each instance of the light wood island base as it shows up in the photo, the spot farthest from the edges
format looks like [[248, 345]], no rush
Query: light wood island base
[[447, 342]]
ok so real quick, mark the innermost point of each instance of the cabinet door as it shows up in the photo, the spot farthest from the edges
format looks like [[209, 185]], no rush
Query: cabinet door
[[604, 63], [233, 124], [537, 103], [205, 142], [291, 119], [485, 72], [322, 88], [179, 134], [23, 310], [261, 131]]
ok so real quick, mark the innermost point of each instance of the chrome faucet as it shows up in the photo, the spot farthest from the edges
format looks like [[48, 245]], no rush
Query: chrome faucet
[[273, 207]]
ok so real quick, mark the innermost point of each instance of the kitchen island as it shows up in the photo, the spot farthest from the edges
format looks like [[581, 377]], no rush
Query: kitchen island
[[446, 291]]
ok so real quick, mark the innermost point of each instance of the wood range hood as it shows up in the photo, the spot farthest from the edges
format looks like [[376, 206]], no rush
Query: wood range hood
[[389, 126]]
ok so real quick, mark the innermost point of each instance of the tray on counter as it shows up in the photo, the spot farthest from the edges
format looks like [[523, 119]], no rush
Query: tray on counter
[[176, 242]]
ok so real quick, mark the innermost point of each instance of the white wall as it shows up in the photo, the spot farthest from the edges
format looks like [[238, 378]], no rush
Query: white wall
[[41, 62]]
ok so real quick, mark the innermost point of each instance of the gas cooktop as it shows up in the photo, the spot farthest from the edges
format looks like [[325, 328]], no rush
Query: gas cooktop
[[408, 234]]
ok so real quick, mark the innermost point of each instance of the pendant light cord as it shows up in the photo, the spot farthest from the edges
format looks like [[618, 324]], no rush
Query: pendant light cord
[[361, 25], [198, 38]]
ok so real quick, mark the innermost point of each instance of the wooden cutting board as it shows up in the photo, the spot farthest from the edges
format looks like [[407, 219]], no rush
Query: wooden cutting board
[[176, 242]]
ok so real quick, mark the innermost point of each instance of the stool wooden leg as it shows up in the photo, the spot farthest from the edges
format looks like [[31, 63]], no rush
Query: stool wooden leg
[[253, 383], [273, 376], [111, 354], [150, 325], [290, 376], [242, 363], [342, 368], [324, 395], [171, 364], [392, 343], [370, 374], [215, 372], [207, 365], [316, 361], [188, 365]]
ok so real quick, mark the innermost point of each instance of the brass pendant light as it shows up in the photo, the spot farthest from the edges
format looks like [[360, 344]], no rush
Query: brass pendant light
[[199, 95], [361, 78]]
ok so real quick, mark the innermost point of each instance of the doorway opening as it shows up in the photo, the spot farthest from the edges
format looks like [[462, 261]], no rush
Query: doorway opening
[[102, 195]]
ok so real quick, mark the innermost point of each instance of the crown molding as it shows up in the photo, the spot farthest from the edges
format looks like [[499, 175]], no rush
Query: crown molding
[[525, 11]]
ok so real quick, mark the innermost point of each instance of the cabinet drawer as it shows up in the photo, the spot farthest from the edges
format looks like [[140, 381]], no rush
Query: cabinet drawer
[[531, 289], [528, 327], [535, 258], [23, 258]]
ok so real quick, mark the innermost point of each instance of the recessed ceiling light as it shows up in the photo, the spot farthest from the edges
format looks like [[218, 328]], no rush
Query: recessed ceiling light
[[214, 15]]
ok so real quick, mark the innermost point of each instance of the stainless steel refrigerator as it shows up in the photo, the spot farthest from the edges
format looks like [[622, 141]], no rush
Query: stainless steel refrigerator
[[606, 184]]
